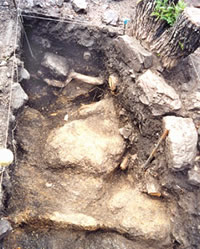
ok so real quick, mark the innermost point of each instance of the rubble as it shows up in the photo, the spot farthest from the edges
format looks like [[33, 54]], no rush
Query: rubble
[[181, 142]]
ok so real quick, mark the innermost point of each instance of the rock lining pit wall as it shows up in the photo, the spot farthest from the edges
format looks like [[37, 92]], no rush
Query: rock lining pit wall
[[69, 189]]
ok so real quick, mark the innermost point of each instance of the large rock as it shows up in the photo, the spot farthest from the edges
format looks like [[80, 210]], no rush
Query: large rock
[[56, 64], [139, 215], [133, 53], [19, 97], [181, 142], [92, 145], [155, 93]]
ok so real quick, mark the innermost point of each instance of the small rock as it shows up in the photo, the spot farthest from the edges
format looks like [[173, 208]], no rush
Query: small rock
[[56, 64], [5, 228], [194, 176], [60, 3], [153, 188], [80, 6], [125, 132], [66, 117], [181, 142], [8, 75], [3, 63], [19, 97], [155, 93], [5, 4], [124, 163], [110, 17], [86, 56], [24, 74], [113, 82]]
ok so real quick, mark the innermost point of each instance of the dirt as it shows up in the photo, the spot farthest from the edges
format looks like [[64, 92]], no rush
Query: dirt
[[55, 207]]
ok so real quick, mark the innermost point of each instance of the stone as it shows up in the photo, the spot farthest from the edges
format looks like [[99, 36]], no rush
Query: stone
[[87, 56], [193, 101], [88, 147], [110, 17], [194, 176], [24, 74], [5, 4], [55, 83], [3, 63], [155, 93], [152, 187], [56, 64], [5, 228], [140, 215], [181, 142], [60, 3], [79, 5], [125, 131], [134, 55], [19, 97]]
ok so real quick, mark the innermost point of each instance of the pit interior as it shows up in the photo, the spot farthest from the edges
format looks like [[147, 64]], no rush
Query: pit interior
[[65, 205]]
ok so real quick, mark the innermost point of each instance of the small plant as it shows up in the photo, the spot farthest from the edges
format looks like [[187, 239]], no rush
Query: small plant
[[168, 11]]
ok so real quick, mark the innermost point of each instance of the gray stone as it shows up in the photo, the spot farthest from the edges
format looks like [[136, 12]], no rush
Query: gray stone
[[60, 3], [19, 97], [133, 53], [110, 17], [193, 101], [24, 74], [79, 5], [88, 147], [194, 176], [181, 142], [157, 94], [5, 228], [5, 4], [3, 63], [56, 64]]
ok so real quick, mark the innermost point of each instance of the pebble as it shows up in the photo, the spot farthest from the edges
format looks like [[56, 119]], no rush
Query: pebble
[[8, 75], [5, 228]]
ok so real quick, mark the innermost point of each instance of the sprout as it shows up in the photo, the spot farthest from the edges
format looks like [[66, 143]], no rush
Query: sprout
[[6, 157]]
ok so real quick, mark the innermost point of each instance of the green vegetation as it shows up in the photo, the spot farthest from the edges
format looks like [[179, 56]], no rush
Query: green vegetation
[[168, 11]]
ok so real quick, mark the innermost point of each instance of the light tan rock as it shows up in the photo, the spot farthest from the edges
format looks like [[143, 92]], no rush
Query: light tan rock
[[139, 215], [91, 145], [155, 93]]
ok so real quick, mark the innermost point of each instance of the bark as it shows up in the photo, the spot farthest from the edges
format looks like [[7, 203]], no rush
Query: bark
[[170, 43]]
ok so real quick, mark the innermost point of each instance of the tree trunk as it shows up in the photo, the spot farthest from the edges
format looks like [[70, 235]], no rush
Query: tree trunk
[[171, 44]]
